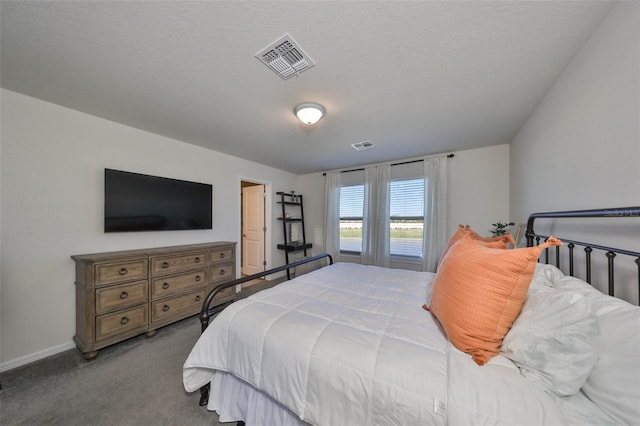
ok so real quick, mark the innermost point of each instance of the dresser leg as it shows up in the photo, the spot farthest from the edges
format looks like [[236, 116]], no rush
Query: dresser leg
[[90, 356], [151, 333]]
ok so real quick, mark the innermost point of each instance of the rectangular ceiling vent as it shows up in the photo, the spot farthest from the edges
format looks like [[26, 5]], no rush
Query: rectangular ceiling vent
[[285, 57], [361, 146]]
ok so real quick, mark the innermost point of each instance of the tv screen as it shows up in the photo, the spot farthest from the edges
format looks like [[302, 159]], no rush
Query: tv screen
[[137, 202]]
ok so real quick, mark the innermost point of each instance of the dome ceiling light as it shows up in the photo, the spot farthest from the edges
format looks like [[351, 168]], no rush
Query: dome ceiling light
[[309, 112]]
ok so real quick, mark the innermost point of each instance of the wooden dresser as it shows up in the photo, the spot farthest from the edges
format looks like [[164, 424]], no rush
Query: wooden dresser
[[126, 293]]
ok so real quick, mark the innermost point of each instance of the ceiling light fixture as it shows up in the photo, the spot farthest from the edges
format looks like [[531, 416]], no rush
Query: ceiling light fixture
[[309, 112]]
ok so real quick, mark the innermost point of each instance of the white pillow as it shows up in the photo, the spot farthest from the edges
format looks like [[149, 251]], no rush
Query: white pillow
[[545, 276], [555, 341], [614, 383]]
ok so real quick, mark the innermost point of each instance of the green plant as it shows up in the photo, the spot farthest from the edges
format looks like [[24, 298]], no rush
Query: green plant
[[500, 228]]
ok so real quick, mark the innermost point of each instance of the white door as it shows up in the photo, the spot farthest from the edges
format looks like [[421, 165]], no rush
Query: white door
[[253, 229]]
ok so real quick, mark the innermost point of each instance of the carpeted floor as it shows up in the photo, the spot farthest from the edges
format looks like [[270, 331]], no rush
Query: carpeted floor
[[135, 382]]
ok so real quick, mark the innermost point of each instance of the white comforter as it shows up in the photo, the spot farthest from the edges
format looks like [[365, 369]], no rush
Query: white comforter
[[348, 337], [351, 345]]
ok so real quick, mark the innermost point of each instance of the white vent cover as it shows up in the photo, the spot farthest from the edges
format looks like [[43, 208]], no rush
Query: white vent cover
[[361, 146], [285, 57]]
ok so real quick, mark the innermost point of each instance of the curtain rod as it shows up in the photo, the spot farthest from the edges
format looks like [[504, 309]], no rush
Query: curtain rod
[[393, 164]]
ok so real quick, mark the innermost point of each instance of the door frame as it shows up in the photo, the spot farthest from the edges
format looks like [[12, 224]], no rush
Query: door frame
[[267, 221]]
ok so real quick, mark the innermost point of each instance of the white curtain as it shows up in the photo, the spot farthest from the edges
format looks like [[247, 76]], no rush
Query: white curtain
[[332, 215], [375, 220], [435, 211]]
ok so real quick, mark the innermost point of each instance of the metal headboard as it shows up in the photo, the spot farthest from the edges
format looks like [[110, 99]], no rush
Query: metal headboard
[[610, 252]]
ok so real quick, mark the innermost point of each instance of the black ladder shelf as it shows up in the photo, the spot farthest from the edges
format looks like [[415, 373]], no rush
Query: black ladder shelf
[[292, 212]]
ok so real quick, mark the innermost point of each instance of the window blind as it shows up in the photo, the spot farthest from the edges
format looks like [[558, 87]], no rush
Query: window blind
[[351, 211], [406, 199]]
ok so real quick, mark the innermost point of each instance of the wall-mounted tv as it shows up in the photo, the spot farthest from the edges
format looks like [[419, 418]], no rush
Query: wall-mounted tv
[[137, 202]]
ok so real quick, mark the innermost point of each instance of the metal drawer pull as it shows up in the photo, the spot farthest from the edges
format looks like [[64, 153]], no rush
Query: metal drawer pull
[[222, 272], [198, 298], [165, 308], [165, 264], [124, 295], [123, 271], [198, 278], [165, 286], [222, 255], [124, 320], [197, 260]]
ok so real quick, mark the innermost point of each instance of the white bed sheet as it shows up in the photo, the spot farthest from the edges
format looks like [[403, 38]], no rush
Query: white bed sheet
[[379, 359], [351, 337], [579, 410], [506, 400]]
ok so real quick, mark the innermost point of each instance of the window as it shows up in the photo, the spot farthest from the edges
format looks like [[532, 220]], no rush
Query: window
[[405, 220], [406, 198], [406, 231], [351, 212]]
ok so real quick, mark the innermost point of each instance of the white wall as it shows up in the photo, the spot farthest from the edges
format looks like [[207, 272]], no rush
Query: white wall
[[478, 185], [580, 149], [53, 161], [479, 188]]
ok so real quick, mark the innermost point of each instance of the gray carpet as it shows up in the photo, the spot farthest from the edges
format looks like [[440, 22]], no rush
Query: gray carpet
[[135, 382]]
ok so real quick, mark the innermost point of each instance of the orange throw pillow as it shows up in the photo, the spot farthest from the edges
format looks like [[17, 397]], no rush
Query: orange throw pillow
[[462, 230], [479, 291], [502, 239], [496, 242]]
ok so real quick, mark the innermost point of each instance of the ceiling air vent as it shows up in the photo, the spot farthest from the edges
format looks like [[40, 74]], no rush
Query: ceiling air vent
[[361, 146], [285, 57]]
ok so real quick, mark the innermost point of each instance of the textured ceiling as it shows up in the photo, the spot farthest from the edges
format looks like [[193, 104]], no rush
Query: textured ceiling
[[416, 78]]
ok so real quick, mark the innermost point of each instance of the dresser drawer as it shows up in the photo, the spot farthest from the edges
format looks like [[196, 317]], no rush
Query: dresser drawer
[[172, 264], [221, 255], [188, 304], [167, 286], [113, 298], [122, 271], [120, 322], [221, 273]]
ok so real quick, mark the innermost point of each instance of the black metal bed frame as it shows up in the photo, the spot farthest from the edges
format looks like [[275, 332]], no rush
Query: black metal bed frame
[[610, 252]]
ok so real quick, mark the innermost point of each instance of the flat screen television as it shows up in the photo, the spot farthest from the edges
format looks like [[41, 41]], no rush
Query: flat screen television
[[137, 202]]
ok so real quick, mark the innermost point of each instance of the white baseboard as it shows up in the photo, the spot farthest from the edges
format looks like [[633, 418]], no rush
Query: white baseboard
[[36, 356]]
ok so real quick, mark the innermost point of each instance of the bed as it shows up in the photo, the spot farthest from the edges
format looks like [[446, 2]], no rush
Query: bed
[[349, 344]]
